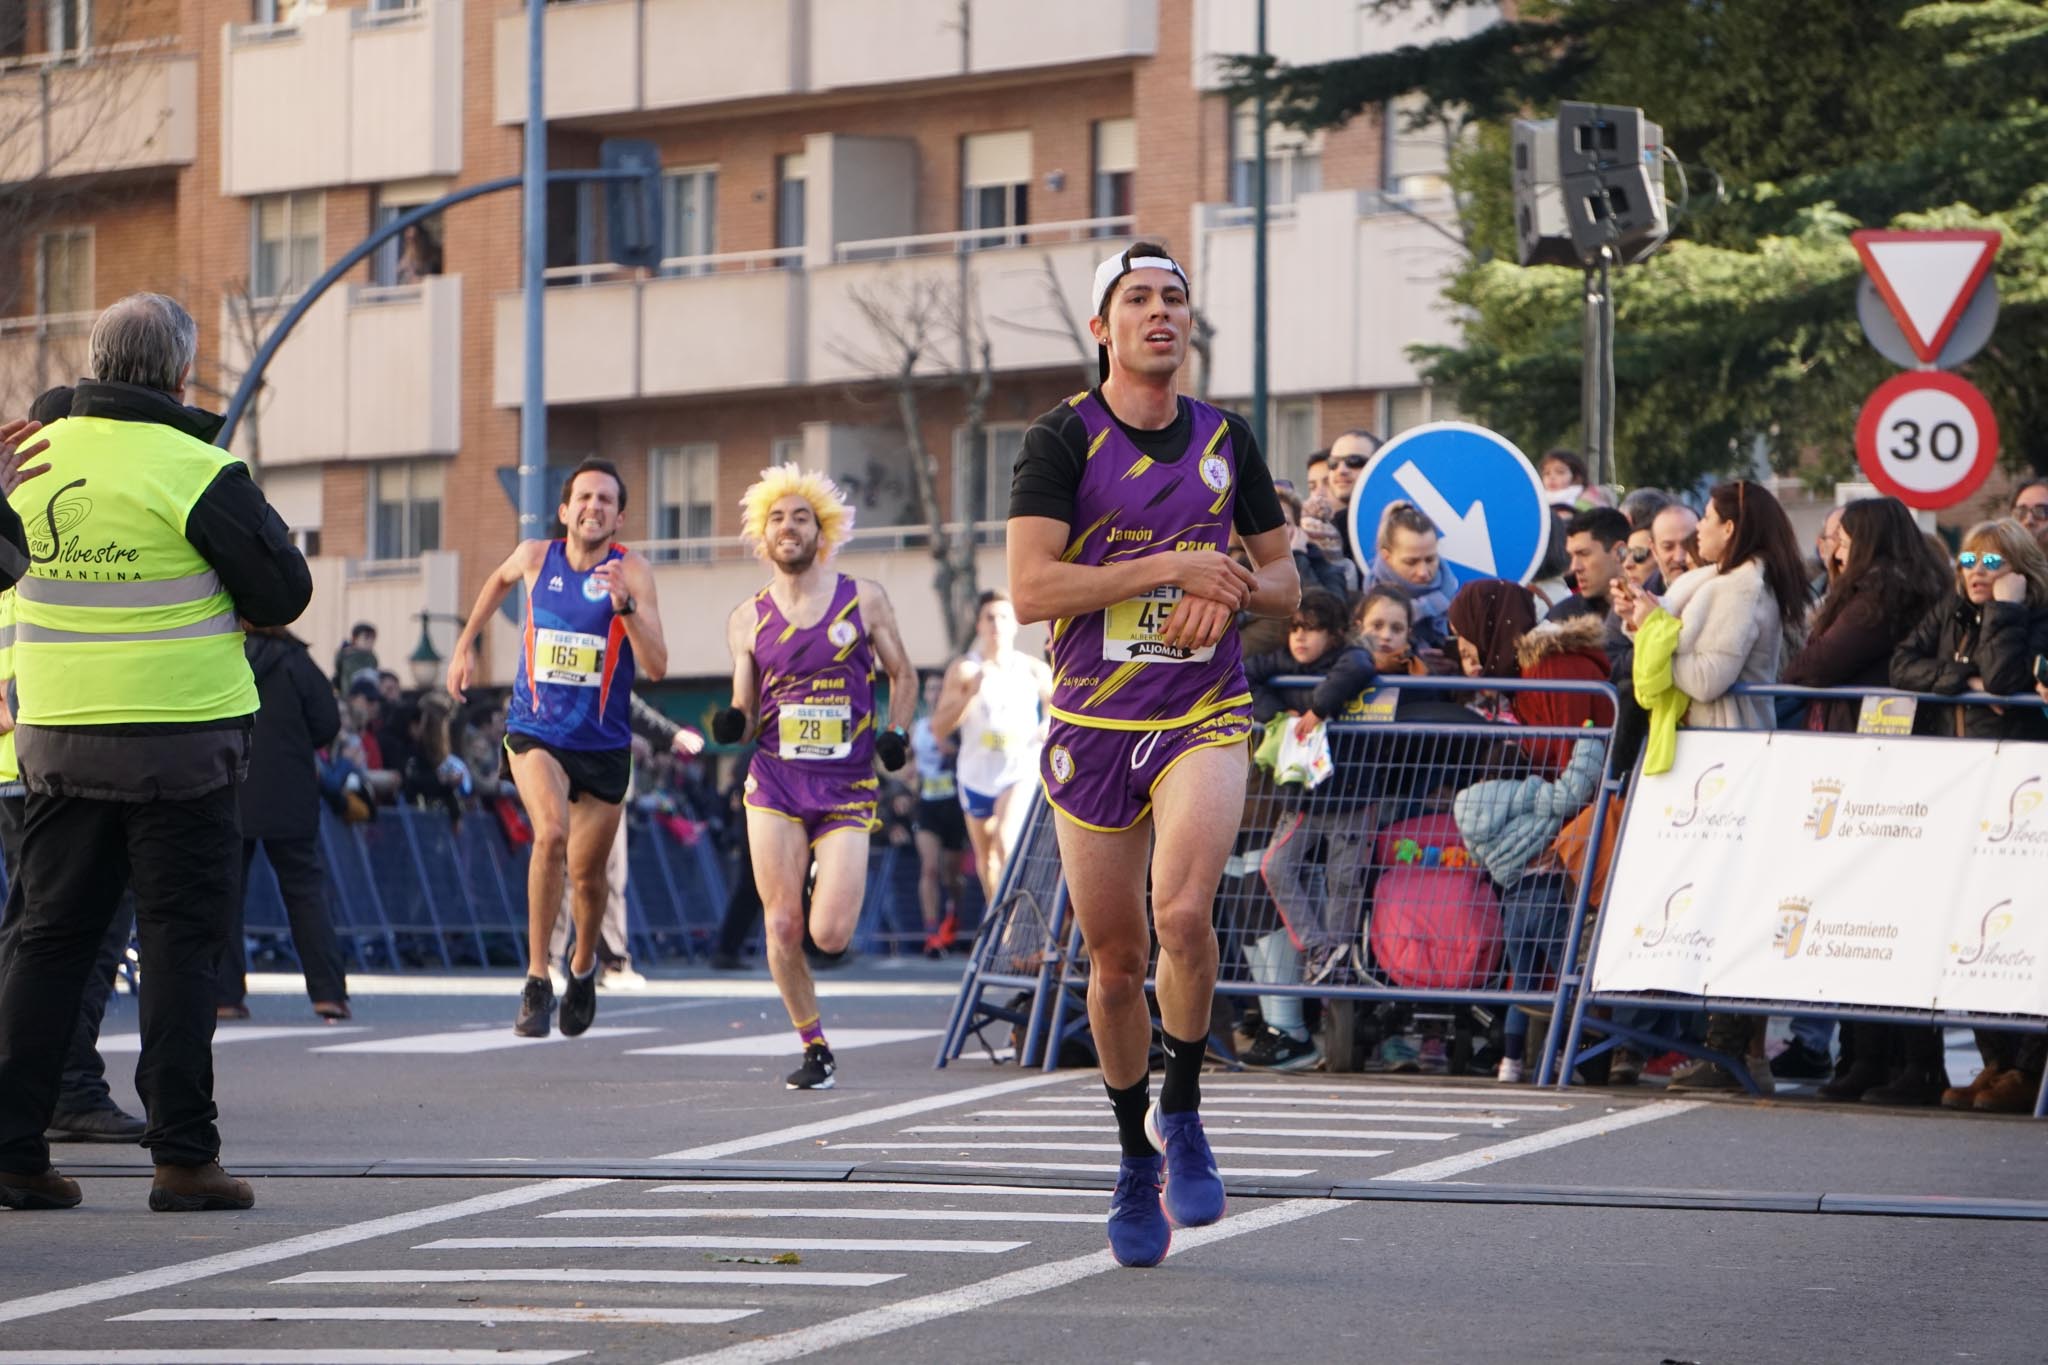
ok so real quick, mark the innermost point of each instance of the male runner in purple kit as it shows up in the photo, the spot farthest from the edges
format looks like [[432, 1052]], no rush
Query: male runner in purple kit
[[592, 626], [1121, 510], [804, 653]]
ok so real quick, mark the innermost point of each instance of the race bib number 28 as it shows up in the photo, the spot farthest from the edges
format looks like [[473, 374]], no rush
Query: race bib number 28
[[815, 731], [1132, 630]]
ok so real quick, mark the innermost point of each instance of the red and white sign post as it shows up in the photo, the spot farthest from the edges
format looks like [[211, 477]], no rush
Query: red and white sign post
[[1927, 437]]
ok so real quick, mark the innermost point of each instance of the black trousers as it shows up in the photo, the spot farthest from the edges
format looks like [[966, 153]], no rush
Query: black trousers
[[181, 860], [303, 883], [84, 1086]]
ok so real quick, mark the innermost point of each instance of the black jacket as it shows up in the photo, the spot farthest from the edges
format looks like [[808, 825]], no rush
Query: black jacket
[[245, 542], [1346, 672], [280, 798], [1957, 641]]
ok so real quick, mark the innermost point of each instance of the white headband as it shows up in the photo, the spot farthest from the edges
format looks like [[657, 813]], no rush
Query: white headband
[[1122, 264]]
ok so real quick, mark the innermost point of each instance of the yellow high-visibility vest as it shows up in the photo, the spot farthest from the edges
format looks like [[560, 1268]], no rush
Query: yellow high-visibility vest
[[10, 771], [119, 620]]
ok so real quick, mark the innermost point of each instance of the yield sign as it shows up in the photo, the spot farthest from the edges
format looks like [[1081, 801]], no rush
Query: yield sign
[[1926, 278]]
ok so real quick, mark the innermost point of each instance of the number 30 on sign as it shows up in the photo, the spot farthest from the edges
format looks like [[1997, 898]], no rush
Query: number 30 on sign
[[1927, 438]]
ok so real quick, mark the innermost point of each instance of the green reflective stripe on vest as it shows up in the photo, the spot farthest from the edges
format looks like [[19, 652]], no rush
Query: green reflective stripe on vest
[[10, 771], [63, 592], [225, 623], [119, 620]]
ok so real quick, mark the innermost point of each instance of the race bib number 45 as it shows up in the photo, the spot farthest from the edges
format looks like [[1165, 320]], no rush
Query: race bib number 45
[[1131, 630], [568, 659], [815, 731]]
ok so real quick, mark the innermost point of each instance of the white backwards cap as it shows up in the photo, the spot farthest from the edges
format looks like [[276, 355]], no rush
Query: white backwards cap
[[1115, 268]]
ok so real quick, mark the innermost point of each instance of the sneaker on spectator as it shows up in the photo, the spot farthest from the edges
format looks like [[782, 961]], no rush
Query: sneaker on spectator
[[1324, 963], [1279, 1050], [621, 977], [1700, 1074], [1664, 1064], [1510, 1072], [1434, 1058], [1401, 1053], [1626, 1068], [1798, 1062]]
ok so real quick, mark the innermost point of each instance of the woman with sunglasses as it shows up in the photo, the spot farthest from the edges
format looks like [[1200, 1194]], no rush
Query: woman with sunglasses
[[1984, 638]]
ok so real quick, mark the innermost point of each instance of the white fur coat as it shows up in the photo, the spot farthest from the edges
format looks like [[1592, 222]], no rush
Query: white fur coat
[[1729, 633]]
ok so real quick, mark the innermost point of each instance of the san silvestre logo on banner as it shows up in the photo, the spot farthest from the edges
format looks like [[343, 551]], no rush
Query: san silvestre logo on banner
[[2016, 829]]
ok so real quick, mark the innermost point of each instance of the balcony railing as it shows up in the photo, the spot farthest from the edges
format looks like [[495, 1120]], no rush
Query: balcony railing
[[864, 540], [980, 239], [678, 267]]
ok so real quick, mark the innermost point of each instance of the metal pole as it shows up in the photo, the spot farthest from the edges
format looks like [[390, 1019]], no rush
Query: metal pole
[[1259, 254], [533, 413]]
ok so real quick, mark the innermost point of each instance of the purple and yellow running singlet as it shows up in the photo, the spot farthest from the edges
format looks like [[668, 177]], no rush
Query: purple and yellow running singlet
[[816, 754], [575, 681], [1126, 705], [1111, 669]]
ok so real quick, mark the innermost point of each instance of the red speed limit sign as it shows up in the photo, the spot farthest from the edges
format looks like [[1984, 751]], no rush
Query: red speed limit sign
[[1927, 438]]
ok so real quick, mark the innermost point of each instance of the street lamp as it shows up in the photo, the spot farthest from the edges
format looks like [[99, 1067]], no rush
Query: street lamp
[[425, 660]]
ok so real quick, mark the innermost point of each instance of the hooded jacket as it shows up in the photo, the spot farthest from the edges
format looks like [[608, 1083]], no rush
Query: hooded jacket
[[1568, 650]]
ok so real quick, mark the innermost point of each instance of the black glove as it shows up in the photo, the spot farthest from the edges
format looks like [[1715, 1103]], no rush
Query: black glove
[[893, 748], [728, 725]]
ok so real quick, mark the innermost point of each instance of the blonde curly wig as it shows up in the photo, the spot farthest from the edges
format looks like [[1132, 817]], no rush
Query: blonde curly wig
[[835, 517]]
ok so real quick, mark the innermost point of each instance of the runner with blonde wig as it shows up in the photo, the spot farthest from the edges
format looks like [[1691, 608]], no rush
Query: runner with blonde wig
[[828, 507]]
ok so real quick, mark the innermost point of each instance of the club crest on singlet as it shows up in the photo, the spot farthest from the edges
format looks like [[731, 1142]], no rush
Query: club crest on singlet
[[1062, 763], [1216, 472], [594, 591]]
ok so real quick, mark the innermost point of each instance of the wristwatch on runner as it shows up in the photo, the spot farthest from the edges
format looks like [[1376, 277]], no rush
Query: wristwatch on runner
[[627, 610]]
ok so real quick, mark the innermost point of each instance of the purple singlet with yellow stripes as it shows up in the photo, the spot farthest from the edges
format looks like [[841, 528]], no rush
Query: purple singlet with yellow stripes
[[1111, 668], [816, 756]]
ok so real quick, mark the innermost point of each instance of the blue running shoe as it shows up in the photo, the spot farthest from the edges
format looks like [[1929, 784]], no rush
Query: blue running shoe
[[1194, 1187], [1138, 1231]]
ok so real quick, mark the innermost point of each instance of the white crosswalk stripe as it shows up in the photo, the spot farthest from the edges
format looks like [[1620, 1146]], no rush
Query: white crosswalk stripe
[[737, 1278], [852, 1215], [466, 1042], [505, 1315], [1409, 1135], [870, 1187], [1093, 1147], [939, 1246], [1213, 1111]]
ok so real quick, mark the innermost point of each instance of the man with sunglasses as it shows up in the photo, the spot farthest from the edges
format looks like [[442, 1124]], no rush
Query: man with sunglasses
[[1349, 455], [2030, 509]]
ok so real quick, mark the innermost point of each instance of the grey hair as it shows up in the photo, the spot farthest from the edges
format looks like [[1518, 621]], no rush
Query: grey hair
[[145, 339]]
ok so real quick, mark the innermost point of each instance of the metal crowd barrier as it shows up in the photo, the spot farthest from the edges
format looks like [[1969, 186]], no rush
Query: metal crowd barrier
[[1361, 890], [1614, 1034]]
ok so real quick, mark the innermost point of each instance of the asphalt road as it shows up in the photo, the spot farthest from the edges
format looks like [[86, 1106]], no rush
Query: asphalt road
[[432, 1190]]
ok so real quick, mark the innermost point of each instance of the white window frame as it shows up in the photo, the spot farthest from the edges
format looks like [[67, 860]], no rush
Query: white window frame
[[297, 203], [412, 474], [1002, 441], [999, 202], [72, 236], [1113, 173], [704, 242], [1293, 437], [792, 175], [688, 463], [1435, 406], [1413, 166], [1294, 161], [53, 27]]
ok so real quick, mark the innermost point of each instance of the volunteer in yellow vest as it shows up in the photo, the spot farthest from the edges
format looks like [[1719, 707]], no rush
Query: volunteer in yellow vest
[[86, 1111], [144, 545]]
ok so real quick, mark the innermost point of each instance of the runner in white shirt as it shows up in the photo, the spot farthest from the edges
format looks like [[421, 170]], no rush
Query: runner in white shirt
[[997, 698]]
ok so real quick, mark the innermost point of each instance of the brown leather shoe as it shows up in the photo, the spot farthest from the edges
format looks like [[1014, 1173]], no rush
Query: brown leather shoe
[[198, 1189], [2010, 1093], [47, 1190], [1965, 1096]]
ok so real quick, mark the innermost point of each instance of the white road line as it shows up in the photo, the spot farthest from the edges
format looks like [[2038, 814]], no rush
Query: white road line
[[1017, 1284], [308, 1244], [239, 1033], [414, 1355], [1232, 1131], [837, 1279], [1210, 1111], [1102, 1168], [854, 1215], [780, 1043], [269, 1253], [463, 1042], [817, 1187], [937, 1246], [494, 987], [1091, 1147], [1231, 1096], [805, 1132], [503, 1316], [1542, 1142]]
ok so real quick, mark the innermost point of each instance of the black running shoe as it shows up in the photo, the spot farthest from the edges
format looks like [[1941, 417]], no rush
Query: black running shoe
[[817, 1071], [536, 1005], [579, 1003]]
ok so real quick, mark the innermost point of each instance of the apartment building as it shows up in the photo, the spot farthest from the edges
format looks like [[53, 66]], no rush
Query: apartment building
[[840, 176]]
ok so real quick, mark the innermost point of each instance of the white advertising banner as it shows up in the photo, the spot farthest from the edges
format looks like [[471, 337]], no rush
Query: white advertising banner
[[1836, 869]]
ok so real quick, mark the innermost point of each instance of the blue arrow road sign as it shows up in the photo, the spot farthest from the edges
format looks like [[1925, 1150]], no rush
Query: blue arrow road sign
[[1483, 494]]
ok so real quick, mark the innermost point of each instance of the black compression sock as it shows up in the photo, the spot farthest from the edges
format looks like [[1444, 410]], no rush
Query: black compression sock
[[1180, 1091], [1130, 1104]]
